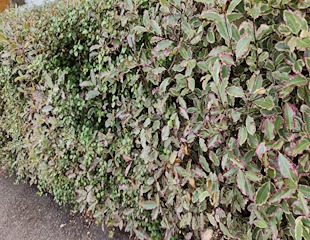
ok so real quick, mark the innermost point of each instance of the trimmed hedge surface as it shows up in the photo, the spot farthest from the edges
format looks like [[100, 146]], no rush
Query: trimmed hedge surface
[[170, 119]]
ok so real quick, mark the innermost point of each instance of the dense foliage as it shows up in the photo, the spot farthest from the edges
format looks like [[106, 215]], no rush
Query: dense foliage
[[170, 119]]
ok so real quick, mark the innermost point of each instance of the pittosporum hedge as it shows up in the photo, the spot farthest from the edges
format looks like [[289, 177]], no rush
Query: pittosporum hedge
[[171, 119]]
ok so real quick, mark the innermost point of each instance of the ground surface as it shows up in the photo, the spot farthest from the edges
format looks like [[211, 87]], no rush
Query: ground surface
[[26, 216]]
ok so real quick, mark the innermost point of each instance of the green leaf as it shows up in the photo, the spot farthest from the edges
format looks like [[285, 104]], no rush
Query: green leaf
[[265, 103], [156, 27], [263, 194], [185, 52], [165, 3], [181, 171], [305, 190], [164, 44], [47, 109], [211, 220], [149, 205], [290, 183], [235, 91], [164, 84], [214, 158], [129, 4], [184, 113], [203, 145], [242, 135], [225, 230], [3, 39], [216, 71], [281, 194], [48, 80], [250, 125], [243, 46], [263, 31], [261, 224], [140, 235], [86, 84], [233, 4], [244, 185], [19, 60], [92, 94], [282, 47], [298, 81], [191, 83], [292, 21], [203, 196], [303, 203], [173, 156], [289, 114], [211, 16], [284, 165], [301, 146], [222, 29], [203, 66], [204, 164], [298, 229], [269, 130], [252, 176], [165, 132]]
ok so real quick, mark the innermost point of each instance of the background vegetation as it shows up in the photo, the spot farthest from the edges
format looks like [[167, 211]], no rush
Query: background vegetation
[[170, 119]]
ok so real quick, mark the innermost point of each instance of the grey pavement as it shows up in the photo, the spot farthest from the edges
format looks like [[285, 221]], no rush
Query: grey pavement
[[26, 216]]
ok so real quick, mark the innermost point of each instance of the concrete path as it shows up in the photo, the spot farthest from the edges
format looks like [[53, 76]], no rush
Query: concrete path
[[26, 216]]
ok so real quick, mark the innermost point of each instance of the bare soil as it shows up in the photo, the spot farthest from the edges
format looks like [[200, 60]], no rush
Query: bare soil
[[26, 216]]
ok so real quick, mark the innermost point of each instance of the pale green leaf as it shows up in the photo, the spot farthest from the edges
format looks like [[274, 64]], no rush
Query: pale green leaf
[[203, 196], [235, 91], [242, 135], [292, 21], [165, 3], [204, 164], [92, 94], [214, 16], [148, 205], [225, 230], [47, 109], [156, 27], [261, 224], [243, 46], [48, 80], [303, 203], [298, 229], [301, 146], [129, 4], [19, 60], [86, 84], [284, 165], [250, 125], [244, 185], [191, 84], [165, 132], [265, 103], [262, 194], [289, 114], [173, 156], [2, 38], [222, 29], [233, 4], [203, 145], [298, 80]]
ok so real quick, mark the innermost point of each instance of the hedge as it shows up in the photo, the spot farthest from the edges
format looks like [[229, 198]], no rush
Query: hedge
[[171, 119]]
